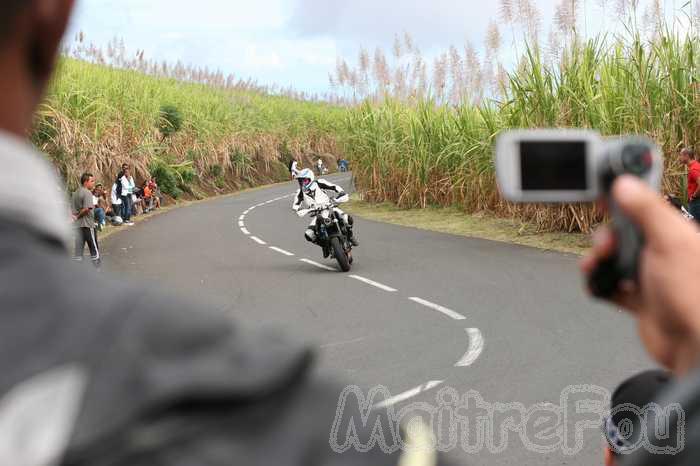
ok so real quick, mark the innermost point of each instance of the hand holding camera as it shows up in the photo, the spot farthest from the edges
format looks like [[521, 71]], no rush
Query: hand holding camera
[[581, 166], [640, 261]]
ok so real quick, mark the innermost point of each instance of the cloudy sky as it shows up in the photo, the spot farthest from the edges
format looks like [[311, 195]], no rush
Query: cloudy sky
[[287, 42]]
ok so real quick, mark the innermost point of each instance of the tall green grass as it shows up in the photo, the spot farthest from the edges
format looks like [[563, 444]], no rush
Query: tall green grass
[[95, 118], [419, 154]]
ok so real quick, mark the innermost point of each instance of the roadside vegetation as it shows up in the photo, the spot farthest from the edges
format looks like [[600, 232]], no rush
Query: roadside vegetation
[[198, 132], [454, 221], [419, 133], [422, 134]]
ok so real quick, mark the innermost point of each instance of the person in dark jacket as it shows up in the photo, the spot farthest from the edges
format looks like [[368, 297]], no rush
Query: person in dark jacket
[[96, 372]]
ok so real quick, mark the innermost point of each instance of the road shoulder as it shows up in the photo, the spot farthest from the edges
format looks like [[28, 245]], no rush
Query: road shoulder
[[456, 222]]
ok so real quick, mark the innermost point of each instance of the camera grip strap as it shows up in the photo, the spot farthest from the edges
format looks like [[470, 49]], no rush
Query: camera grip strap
[[623, 265]]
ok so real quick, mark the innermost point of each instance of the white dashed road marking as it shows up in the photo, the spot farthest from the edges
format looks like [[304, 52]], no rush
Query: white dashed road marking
[[437, 307], [408, 394], [316, 264], [373, 283], [258, 240], [476, 346], [342, 343], [476, 339], [281, 251]]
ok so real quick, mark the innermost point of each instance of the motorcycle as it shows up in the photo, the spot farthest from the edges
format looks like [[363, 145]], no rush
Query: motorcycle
[[331, 232]]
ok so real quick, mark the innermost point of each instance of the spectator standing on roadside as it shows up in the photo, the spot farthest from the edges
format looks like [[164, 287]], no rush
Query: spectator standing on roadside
[[687, 158], [83, 203], [135, 199], [116, 200], [293, 168], [125, 194]]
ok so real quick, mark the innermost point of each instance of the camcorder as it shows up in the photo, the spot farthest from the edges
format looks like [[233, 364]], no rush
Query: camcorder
[[573, 166]]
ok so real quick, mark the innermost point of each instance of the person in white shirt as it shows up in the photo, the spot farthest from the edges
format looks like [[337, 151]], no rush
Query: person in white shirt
[[294, 168], [124, 181], [116, 201]]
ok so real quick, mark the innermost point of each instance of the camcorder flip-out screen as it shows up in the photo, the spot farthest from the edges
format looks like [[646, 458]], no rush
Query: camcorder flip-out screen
[[553, 166]]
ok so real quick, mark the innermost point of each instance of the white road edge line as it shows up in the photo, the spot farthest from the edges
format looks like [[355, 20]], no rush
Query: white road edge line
[[316, 264], [242, 217], [437, 307], [373, 283], [258, 240], [241, 224], [245, 231], [476, 346], [281, 251], [408, 394]]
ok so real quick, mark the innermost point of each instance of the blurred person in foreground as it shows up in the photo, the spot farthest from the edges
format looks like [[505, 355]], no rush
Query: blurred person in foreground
[[622, 429], [96, 372]]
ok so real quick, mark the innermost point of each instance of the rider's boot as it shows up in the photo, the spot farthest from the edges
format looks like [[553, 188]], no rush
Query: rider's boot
[[351, 235], [352, 238], [310, 235]]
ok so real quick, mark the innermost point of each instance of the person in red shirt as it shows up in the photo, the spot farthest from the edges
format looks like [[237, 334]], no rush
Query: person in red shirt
[[687, 158]]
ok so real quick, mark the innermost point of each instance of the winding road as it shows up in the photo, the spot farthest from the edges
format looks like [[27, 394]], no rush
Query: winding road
[[419, 311]]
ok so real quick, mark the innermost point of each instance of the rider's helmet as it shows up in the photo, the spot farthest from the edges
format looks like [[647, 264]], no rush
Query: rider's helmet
[[306, 180]]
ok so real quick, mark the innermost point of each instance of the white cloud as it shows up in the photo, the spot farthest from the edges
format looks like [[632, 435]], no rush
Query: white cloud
[[257, 57], [291, 42]]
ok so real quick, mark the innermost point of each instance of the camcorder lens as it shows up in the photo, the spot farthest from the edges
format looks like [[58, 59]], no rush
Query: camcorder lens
[[636, 159]]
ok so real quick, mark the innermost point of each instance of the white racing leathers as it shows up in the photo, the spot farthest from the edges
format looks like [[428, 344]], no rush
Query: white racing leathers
[[315, 196]]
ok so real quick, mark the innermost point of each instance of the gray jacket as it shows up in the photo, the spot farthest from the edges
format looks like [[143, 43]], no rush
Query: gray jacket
[[157, 380]]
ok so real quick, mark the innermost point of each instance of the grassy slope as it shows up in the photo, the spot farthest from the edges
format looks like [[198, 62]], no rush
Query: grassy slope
[[97, 117]]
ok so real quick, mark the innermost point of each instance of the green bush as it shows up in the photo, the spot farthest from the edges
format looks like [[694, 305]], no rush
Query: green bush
[[215, 171], [243, 164], [187, 174], [169, 120], [168, 179], [44, 130], [286, 155]]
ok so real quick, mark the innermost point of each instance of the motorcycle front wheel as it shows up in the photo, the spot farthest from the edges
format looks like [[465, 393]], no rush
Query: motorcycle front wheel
[[340, 254]]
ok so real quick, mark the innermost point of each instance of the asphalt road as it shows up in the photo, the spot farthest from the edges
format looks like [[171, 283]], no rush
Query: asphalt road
[[510, 323]]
